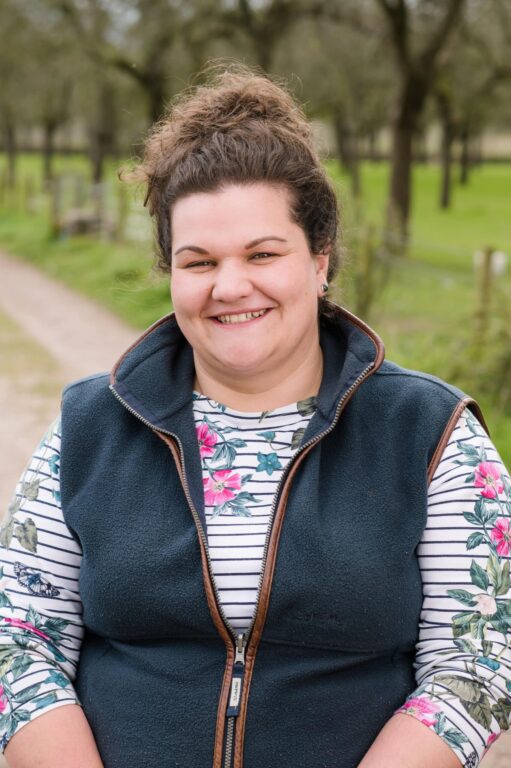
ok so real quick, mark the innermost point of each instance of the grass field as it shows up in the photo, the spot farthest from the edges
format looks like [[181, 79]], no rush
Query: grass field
[[424, 311]]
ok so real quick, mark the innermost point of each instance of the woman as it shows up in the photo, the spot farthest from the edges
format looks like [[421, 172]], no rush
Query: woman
[[251, 532]]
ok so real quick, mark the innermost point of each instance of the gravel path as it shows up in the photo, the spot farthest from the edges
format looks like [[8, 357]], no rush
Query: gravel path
[[49, 336]]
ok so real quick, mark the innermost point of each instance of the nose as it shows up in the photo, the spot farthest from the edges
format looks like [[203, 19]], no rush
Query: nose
[[232, 282]]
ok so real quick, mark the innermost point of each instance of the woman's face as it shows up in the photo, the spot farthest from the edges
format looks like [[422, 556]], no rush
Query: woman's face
[[245, 286]]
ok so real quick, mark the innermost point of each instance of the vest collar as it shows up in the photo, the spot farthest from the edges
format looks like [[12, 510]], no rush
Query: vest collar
[[155, 375]]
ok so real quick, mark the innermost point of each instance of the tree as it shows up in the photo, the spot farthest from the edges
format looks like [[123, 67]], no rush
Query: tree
[[132, 36], [469, 89], [346, 81], [51, 85], [418, 35], [14, 55]]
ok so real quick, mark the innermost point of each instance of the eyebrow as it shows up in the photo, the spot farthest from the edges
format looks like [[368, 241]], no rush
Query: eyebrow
[[203, 251]]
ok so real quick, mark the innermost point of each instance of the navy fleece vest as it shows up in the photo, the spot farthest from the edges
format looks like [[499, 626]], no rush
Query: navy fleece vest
[[335, 659]]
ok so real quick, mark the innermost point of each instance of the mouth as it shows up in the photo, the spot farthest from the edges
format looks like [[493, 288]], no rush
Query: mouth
[[241, 317]]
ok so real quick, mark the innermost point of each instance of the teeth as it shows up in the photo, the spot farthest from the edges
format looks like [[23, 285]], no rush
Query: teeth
[[240, 318]]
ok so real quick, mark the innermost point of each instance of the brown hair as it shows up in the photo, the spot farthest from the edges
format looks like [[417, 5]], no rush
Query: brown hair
[[240, 128]]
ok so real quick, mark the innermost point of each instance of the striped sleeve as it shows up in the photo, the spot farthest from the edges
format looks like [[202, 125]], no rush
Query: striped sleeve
[[40, 608], [463, 657]]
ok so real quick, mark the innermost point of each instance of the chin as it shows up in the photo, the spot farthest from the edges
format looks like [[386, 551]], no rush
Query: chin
[[240, 367]]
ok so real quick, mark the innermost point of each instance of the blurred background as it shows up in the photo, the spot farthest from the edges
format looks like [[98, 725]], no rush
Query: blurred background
[[411, 104]]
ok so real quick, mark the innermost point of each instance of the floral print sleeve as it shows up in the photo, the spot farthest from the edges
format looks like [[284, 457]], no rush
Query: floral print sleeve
[[40, 626], [463, 656]]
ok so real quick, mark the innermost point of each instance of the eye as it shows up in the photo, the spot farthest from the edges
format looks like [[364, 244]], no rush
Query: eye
[[262, 255], [204, 264]]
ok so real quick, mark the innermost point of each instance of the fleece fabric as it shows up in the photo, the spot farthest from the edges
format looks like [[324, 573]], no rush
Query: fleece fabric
[[336, 655]]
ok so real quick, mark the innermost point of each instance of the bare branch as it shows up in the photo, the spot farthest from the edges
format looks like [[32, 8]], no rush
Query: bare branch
[[349, 17], [397, 21], [247, 15], [439, 38]]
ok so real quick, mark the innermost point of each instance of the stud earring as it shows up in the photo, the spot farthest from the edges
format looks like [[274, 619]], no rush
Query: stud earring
[[324, 287]]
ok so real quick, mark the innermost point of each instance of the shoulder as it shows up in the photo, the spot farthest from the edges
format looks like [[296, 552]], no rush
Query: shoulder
[[87, 404], [83, 393], [423, 391], [409, 397], [95, 382], [392, 375]]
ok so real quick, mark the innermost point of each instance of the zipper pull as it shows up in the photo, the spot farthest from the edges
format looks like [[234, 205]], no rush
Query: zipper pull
[[238, 674], [240, 650]]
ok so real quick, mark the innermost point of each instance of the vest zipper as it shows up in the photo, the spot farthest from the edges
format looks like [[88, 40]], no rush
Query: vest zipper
[[241, 640], [233, 707]]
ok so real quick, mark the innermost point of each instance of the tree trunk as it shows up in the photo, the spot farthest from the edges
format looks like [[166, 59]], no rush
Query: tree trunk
[[48, 150], [97, 157], [400, 182], [448, 133], [347, 150], [11, 152], [356, 183], [465, 156], [403, 134], [103, 133], [446, 161]]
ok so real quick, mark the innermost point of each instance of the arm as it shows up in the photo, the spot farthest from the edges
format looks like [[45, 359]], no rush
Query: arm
[[40, 620], [405, 743], [60, 737], [463, 655]]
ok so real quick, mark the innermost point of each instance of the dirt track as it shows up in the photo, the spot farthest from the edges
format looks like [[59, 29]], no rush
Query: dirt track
[[49, 336]]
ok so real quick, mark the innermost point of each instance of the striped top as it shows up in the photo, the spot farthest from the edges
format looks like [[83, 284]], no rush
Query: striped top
[[463, 657], [243, 459]]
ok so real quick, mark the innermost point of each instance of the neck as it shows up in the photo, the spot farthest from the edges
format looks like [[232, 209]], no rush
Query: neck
[[267, 391]]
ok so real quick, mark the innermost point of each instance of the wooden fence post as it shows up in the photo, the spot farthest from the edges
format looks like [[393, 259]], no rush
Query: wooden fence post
[[484, 285], [55, 206], [365, 273]]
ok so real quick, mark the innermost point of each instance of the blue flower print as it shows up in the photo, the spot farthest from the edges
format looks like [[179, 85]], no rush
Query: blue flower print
[[58, 678], [268, 462], [54, 462]]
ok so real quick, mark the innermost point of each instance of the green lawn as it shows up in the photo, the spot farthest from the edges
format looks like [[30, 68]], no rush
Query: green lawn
[[424, 311]]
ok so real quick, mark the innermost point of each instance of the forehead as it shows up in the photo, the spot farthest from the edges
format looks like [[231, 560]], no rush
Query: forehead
[[234, 213]]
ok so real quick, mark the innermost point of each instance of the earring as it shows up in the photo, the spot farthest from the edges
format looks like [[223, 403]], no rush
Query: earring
[[324, 287]]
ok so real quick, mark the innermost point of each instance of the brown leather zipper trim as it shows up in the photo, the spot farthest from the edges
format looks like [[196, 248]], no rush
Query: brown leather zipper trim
[[264, 601], [439, 450], [264, 597], [217, 620]]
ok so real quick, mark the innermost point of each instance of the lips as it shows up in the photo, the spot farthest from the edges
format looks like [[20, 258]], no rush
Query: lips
[[240, 317]]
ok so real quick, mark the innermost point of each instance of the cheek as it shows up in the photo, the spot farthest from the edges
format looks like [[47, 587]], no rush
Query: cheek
[[187, 297]]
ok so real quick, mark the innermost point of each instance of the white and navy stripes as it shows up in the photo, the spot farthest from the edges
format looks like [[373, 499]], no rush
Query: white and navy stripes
[[261, 447]]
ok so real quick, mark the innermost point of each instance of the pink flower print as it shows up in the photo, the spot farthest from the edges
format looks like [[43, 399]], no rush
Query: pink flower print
[[501, 536], [491, 738], [488, 478], [27, 626], [485, 604], [219, 488], [422, 709], [207, 440], [3, 700]]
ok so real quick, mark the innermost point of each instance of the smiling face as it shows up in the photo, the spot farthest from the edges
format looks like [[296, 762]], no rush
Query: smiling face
[[245, 286]]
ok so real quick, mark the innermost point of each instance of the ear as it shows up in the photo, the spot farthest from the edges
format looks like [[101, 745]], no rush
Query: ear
[[322, 259]]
